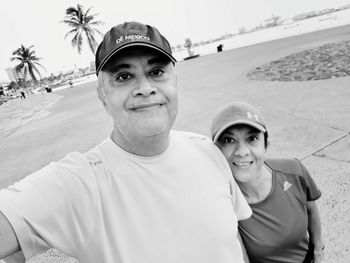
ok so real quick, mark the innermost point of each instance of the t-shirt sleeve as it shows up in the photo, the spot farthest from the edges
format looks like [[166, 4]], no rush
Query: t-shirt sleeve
[[240, 205], [53, 207], [309, 185]]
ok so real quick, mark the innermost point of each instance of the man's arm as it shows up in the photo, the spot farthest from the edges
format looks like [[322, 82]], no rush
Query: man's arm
[[8, 240], [315, 230]]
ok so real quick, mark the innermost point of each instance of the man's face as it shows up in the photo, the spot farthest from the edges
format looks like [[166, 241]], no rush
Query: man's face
[[138, 89]]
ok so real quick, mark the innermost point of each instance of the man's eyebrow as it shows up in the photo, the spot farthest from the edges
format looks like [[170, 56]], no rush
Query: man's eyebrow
[[118, 67], [159, 60]]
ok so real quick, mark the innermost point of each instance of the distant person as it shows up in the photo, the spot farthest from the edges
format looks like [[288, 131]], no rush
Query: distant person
[[23, 95], [146, 193], [71, 84], [285, 225]]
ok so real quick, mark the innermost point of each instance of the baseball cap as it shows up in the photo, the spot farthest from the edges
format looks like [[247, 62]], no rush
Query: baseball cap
[[130, 34], [236, 113]]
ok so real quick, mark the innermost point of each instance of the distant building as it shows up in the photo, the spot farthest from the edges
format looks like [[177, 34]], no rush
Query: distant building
[[12, 74], [273, 21]]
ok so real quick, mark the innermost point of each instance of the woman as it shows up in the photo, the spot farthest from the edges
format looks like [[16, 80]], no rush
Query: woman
[[285, 225]]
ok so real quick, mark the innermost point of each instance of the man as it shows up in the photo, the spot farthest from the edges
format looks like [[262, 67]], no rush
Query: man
[[21, 91], [146, 193]]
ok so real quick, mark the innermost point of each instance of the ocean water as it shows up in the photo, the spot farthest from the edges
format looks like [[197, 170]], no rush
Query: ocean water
[[335, 19]]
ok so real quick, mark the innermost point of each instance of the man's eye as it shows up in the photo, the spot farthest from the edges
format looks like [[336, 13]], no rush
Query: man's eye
[[157, 72], [123, 77]]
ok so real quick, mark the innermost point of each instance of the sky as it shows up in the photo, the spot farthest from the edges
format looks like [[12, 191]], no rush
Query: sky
[[37, 22]]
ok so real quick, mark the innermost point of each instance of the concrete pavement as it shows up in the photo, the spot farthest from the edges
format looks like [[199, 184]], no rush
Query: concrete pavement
[[308, 120], [18, 112]]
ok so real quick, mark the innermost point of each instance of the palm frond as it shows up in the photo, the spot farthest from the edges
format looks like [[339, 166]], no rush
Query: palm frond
[[38, 64], [15, 58], [83, 24], [27, 61], [73, 22], [91, 41], [99, 32], [77, 41], [31, 73], [75, 30], [88, 10], [72, 11], [96, 23], [19, 67]]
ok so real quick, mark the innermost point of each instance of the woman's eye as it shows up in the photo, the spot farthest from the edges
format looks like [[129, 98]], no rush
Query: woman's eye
[[253, 138], [123, 77], [228, 140]]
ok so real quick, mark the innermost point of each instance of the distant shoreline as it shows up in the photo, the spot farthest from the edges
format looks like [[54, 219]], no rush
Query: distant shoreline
[[313, 24]]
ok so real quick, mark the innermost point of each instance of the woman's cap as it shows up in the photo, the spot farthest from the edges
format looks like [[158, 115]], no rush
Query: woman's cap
[[130, 34], [236, 113]]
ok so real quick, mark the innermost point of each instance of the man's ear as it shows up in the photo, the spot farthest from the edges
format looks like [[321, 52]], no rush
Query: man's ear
[[103, 98], [101, 94]]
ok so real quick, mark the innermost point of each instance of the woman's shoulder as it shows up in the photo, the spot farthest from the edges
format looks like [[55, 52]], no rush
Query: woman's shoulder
[[287, 166]]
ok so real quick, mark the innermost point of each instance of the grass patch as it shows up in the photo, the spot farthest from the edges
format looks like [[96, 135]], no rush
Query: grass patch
[[328, 61]]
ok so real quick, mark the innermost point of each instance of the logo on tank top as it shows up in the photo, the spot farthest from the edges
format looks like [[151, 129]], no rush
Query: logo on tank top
[[286, 185]]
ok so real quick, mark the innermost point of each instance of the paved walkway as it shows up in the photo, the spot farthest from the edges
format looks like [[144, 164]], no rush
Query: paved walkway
[[18, 112], [308, 120]]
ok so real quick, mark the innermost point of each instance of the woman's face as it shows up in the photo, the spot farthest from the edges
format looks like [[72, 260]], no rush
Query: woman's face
[[244, 149]]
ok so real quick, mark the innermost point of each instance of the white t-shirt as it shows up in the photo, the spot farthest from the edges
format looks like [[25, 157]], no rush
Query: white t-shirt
[[112, 206]]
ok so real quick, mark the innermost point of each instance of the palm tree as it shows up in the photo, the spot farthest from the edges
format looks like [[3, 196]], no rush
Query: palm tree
[[28, 62], [83, 25]]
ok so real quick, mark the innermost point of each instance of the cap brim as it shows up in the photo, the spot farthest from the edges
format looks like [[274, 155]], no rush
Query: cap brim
[[131, 44], [229, 124]]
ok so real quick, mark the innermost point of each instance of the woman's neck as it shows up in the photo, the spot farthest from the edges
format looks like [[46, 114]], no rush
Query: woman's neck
[[258, 188]]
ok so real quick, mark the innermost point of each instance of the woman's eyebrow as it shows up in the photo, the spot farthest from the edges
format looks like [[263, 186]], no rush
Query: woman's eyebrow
[[251, 131], [254, 131]]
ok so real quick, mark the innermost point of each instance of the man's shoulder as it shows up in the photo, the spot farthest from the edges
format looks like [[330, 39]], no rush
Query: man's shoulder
[[197, 142], [77, 161], [191, 136], [73, 161]]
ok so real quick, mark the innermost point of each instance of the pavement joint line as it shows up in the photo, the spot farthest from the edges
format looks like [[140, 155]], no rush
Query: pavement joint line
[[325, 146], [28, 120], [332, 159], [43, 109]]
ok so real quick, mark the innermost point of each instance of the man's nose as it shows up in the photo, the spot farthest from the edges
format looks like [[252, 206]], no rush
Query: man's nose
[[144, 88]]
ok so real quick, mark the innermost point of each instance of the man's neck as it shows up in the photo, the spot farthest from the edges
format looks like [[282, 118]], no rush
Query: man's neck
[[147, 146]]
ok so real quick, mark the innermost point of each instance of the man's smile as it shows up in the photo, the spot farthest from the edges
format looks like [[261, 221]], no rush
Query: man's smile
[[146, 106]]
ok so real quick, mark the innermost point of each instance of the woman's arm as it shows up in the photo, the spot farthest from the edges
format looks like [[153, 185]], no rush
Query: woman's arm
[[8, 240], [244, 251], [315, 230]]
